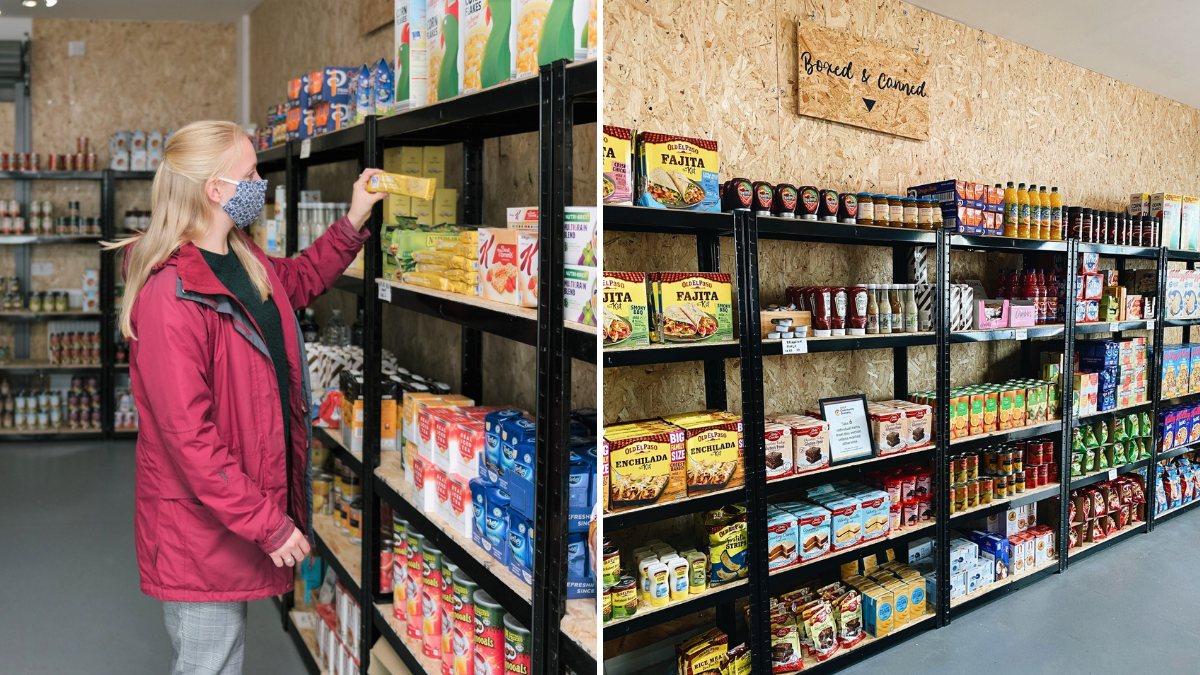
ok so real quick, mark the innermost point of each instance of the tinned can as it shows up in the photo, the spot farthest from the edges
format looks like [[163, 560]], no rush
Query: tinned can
[[399, 567], [463, 636], [606, 605], [449, 569], [612, 565], [91, 161], [416, 543], [518, 643], [489, 633], [431, 600]]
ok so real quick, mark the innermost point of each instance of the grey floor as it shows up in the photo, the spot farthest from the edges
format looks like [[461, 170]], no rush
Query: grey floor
[[70, 601]]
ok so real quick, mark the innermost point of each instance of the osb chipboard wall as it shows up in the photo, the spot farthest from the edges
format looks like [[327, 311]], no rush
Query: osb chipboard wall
[[292, 37], [998, 111]]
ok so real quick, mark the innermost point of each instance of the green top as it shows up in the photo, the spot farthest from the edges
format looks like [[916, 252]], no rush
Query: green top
[[230, 272]]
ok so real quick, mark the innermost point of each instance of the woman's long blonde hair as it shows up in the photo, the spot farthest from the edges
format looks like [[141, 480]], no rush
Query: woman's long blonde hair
[[180, 211]]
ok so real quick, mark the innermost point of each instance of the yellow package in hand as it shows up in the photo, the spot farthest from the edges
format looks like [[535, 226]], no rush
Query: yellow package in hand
[[400, 184]]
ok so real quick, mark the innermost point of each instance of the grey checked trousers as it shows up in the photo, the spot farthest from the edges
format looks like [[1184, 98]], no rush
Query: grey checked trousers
[[209, 638]]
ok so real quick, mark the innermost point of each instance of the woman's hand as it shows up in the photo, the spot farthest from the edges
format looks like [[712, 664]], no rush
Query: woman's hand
[[362, 201], [293, 551]]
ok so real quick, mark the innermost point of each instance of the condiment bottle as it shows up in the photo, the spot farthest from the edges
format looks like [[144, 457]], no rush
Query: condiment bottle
[[885, 310], [1087, 224], [764, 196], [896, 211], [897, 308], [866, 209], [1074, 222], [829, 206], [1002, 284], [837, 322], [872, 311], [1011, 210], [882, 211], [784, 205], [822, 312], [738, 194], [1023, 207], [856, 323], [1052, 308], [910, 308], [809, 204], [1056, 215], [847, 208]]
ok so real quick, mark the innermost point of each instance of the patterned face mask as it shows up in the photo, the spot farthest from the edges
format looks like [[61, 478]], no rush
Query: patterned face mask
[[246, 204]]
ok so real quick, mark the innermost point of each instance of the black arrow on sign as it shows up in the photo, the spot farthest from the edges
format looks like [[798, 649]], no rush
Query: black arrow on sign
[[870, 103]]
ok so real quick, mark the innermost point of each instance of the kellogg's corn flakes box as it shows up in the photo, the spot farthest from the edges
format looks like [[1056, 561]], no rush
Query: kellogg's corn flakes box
[[543, 32], [411, 58], [445, 78], [485, 43], [676, 172]]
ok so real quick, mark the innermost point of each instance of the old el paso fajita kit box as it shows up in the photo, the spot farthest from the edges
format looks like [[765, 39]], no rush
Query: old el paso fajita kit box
[[676, 172], [691, 306]]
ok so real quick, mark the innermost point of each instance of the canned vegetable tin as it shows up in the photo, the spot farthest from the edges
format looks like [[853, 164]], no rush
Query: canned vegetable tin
[[489, 635], [449, 569], [431, 600], [517, 645], [412, 591], [399, 568], [463, 642]]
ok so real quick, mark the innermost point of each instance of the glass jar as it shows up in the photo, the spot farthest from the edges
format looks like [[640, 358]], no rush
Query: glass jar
[[866, 209], [882, 217], [938, 223], [925, 213], [910, 213], [895, 211]]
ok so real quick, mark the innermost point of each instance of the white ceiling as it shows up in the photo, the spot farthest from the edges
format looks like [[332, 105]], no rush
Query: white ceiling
[[1148, 43], [220, 11]]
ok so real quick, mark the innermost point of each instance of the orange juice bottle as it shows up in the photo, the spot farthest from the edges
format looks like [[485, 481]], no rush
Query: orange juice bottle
[[1022, 212], [1056, 215], [1010, 210], [1035, 212], [1044, 197]]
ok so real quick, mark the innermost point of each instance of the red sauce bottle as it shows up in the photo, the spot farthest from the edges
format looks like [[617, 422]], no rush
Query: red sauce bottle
[[848, 208], [764, 195], [786, 198], [738, 194], [822, 311], [829, 206], [810, 203]]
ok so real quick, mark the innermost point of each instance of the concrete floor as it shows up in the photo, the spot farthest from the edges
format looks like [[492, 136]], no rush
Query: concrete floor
[[1127, 609], [71, 602]]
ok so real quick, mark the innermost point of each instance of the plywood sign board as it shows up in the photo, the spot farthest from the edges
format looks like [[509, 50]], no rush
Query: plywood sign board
[[861, 82]]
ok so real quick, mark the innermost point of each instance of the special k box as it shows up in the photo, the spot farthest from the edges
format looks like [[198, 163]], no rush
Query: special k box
[[508, 266], [1168, 207], [1189, 223]]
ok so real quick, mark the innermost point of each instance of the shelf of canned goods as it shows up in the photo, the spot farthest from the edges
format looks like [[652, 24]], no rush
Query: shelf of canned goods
[[557, 633], [975, 474]]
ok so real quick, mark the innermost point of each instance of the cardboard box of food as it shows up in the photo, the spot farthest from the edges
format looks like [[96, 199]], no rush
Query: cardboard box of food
[[508, 266], [1168, 207], [485, 64]]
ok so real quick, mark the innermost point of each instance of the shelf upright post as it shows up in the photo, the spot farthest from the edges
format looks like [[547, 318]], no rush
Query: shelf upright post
[[900, 255], [708, 259], [553, 378], [745, 229], [372, 404], [941, 325], [1066, 379], [296, 175], [1155, 378], [107, 300], [471, 366]]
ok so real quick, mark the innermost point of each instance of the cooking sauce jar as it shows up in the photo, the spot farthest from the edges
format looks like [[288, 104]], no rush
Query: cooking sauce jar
[[882, 217], [829, 206], [910, 213], [810, 203], [866, 209], [896, 210], [925, 214], [847, 208]]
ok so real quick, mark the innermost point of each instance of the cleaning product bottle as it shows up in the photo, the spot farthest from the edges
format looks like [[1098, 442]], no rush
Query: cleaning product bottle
[[1010, 210], [1022, 212]]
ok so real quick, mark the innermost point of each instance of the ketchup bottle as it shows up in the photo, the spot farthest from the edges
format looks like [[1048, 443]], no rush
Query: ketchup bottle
[[1052, 309]]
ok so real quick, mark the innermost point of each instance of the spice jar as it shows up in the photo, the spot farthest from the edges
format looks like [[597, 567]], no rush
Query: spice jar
[[810, 203], [866, 209], [882, 217]]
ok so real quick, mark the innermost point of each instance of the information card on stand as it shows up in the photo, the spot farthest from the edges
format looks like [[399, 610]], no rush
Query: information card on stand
[[849, 428]]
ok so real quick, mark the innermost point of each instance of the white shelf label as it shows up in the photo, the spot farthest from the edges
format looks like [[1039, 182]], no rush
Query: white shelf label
[[1112, 473], [1114, 327], [305, 148], [385, 291], [41, 269], [795, 346], [1021, 334], [1149, 324]]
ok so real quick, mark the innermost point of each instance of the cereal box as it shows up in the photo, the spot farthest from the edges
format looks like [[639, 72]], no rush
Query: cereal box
[[645, 468], [1168, 207], [581, 228], [543, 33], [411, 59], [618, 165], [1189, 223], [579, 293], [385, 87], [676, 172], [364, 94], [626, 315], [691, 307], [508, 263], [444, 80], [485, 45]]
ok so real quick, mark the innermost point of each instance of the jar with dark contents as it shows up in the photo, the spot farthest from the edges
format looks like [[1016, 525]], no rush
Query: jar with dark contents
[[866, 209], [848, 208], [1102, 228], [1135, 230], [882, 215], [784, 205], [895, 211], [910, 213], [829, 206], [1086, 225], [1074, 222], [809, 205], [738, 195], [764, 196]]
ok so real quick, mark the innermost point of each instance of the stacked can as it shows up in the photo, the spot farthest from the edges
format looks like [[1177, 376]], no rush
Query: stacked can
[[518, 642], [412, 591], [399, 567], [449, 569], [431, 600], [463, 635], [489, 635]]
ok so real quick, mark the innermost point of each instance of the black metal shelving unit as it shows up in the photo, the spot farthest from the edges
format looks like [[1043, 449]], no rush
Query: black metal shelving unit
[[562, 95], [749, 233]]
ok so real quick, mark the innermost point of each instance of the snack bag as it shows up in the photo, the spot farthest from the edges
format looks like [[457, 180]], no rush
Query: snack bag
[[1101, 459], [1119, 457], [1089, 461], [823, 632], [727, 544], [1076, 464], [1147, 428], [1089, 438], [849, 619], [1132, 427], [1119, 433], [1101, 431]]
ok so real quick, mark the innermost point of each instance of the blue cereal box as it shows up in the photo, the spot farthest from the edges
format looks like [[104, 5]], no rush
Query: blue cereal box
[[676, 173], [364, 94], [385, 88], [333, 87]]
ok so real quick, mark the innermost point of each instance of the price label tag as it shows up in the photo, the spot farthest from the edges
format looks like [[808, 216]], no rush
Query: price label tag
[[1112, 473], [795, 346], [1114, 327], [1021, 334], [1149, 324], [305, 148], [385, 291]]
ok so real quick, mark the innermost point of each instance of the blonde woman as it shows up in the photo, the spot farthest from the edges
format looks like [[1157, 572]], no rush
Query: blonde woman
[[221, 383]]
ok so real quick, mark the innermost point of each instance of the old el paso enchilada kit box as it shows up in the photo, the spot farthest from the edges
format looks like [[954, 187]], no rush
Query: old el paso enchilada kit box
[[654, 461], [676, 172], [690, 307]]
